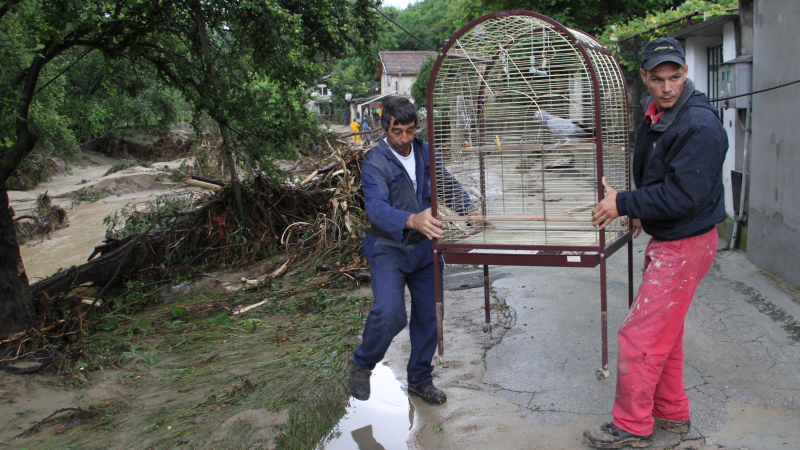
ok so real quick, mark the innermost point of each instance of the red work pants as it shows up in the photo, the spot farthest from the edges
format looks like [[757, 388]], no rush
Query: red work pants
[[650, 360]]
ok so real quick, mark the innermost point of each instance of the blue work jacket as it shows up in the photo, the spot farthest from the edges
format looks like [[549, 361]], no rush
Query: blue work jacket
[[390, 196]]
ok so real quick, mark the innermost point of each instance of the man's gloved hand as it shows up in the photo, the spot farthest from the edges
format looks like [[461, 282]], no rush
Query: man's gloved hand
[[426, 224]]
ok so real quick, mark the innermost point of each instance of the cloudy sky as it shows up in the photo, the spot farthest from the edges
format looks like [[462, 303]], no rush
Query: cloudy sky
[[398, 3]]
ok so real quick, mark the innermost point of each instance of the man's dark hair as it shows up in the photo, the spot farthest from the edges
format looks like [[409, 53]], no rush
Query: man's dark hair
[[399, 109]]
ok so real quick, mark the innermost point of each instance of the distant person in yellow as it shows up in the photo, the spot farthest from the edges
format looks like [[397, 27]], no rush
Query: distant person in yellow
[[354, 127]]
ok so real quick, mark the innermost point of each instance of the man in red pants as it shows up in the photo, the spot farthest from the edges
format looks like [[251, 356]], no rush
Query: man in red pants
[[677, 168]]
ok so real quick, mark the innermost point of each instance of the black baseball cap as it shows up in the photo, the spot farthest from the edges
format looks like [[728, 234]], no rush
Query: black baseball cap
[[661, 50]]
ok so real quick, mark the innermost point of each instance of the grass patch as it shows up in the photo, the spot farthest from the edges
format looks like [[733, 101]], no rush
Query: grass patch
[[89, 194], [120, 165], [193, 364]]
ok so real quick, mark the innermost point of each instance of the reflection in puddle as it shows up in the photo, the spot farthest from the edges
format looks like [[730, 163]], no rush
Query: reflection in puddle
[[380, 423]]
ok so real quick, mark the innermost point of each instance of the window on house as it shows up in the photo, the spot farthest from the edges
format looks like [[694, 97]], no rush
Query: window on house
[[324, 90], [714, 61], [396, 86]]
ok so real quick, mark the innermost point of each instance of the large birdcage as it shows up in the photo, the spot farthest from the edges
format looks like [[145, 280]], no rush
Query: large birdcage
[[527, 116]]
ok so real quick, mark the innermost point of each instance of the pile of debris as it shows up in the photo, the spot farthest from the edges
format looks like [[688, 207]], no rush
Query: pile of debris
[[43, 220], [311, 223]]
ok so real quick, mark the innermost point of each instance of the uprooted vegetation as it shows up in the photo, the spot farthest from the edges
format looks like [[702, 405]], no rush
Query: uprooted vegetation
[[32, 172], [276, 370], [43, 220]]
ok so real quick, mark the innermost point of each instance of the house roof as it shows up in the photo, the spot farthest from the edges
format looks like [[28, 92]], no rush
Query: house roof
[[372, 99], [710, 27], [403, 62]]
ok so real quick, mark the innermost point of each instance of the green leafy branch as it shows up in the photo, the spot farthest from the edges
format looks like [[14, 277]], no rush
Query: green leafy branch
[[615, 33]]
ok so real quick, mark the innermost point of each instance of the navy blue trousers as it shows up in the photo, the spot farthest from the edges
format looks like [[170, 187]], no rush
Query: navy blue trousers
[[393, 266]]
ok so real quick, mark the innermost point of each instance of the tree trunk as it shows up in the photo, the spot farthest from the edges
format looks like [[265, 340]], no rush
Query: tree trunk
[[16, 307], [223, 129], [237, 192], [17, 311]]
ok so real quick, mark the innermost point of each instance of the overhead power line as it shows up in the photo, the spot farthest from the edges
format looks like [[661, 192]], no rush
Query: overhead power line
[[755, 92], [63, 71], [714, 100], [398, 26]]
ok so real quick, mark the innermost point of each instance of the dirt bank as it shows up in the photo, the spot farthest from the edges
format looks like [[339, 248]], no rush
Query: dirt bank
[[129, 183]]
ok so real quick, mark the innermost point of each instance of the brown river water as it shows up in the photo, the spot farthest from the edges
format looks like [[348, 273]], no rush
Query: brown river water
[[72, 245]]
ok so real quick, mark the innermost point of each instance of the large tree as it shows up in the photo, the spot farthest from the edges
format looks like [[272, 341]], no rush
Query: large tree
[[587, 15], [432, 21], [231, 59], [34, 34]]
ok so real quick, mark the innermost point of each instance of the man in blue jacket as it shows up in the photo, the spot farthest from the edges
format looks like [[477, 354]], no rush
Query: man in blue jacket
[[395, 178], [677, 168]]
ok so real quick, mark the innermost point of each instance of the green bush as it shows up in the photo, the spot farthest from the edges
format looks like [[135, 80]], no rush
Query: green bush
[[135, 218]]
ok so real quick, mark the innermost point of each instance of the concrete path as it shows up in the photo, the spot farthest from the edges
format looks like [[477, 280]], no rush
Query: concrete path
[[530, 384]]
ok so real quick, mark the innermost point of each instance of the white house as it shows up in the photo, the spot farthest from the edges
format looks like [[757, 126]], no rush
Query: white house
[[320, 102], [398, 70]]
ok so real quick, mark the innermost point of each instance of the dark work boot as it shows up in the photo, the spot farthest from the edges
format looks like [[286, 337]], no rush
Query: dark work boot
[[672, 426], [359, 382], [430, 394], [610, 436]]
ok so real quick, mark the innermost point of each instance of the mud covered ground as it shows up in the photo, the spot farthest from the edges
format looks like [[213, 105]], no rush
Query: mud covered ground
[[531, 385]]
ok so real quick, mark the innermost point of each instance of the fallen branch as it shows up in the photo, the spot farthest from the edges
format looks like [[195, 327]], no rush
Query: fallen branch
[[309, 178], [284, 267], [202, 184], [27, 216], [360, 133], [248, 308], [209, 180], [46, 360], [35, 427], [108, 267]]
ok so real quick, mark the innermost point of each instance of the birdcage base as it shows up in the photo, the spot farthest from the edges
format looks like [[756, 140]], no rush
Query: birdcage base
[[548, 256]]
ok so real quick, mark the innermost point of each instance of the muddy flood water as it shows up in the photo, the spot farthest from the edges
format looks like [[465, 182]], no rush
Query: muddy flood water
[[380, 423], [72, 245]]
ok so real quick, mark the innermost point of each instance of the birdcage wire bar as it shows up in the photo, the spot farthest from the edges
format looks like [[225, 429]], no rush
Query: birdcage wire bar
[[526, 116]]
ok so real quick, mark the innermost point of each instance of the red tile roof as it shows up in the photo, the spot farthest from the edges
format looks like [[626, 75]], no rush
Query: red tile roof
[[404, 62]]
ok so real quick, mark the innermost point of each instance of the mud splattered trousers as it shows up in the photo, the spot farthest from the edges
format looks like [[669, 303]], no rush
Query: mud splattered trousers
[[650, 360], [393, 266]]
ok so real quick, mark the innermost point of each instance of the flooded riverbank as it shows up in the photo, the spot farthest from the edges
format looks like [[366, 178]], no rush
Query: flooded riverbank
[[69, 246], [73, 245]]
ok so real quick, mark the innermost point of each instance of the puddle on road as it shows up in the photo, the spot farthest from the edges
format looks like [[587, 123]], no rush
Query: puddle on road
[[380, 423], [72, 245]]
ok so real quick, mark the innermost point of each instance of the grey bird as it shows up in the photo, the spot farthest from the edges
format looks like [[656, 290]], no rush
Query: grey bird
[[563, 129]]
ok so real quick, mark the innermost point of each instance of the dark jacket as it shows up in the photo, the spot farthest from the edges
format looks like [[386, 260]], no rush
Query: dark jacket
[[390, 196], [677, 168]]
